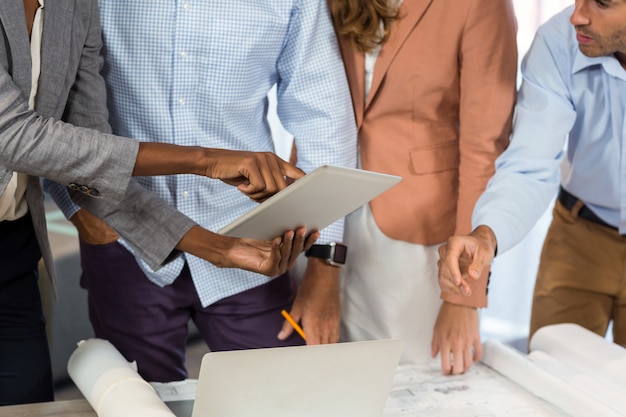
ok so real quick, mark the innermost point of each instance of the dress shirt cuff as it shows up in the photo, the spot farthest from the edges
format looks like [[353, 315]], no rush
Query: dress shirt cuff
[[166, 252], [478, 299], [168, 235], [501, 229], [61, 197]]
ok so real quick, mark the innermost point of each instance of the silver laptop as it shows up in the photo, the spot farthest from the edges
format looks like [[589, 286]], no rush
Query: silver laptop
[[339, 380], [314, 201]]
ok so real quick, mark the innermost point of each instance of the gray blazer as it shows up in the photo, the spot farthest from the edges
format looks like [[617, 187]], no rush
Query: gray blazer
[[48, 142]]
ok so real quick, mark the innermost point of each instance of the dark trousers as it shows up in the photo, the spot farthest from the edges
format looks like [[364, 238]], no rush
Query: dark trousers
[[148, 324], [25, 370]]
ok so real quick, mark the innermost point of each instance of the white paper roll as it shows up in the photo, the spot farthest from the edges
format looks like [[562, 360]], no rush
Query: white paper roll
[[585, 350], [521, 370], [592, 386], [110, 384]]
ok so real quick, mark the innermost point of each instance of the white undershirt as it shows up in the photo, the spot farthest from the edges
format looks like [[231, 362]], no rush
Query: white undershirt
[[370, 62], [12, 201]]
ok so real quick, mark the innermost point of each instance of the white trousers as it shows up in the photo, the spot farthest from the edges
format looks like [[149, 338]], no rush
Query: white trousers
[[389, 288]]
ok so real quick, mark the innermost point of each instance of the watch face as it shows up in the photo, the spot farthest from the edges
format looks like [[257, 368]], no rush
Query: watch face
[[340, 254]]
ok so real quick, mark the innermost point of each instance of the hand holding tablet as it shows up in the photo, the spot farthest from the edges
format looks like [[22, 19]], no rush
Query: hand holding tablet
[[314, 201]]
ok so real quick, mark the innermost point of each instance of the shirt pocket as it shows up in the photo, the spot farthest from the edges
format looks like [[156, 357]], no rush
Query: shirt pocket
[[434, 159]]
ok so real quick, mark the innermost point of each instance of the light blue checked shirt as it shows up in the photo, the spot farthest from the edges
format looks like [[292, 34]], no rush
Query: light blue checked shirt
[[197, 72], [566, 98]]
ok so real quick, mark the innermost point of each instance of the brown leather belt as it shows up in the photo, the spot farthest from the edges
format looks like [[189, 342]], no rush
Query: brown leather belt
[[568, 200]]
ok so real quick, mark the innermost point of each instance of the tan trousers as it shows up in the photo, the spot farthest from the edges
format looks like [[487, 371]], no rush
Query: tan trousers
[[582, 276]]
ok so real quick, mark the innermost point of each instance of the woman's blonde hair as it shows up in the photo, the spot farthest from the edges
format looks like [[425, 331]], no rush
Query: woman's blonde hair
[[360, 20]]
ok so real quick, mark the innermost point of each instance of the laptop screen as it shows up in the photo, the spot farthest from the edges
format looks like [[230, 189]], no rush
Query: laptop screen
[[342, 380]]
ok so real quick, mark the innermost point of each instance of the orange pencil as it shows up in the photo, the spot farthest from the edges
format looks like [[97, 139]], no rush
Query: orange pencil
[[293, 323]]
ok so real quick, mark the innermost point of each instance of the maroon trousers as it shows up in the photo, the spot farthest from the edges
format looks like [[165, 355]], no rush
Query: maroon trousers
[[148, 324]]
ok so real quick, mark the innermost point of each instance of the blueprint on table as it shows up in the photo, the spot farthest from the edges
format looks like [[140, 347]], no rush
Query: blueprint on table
[[480, 392]]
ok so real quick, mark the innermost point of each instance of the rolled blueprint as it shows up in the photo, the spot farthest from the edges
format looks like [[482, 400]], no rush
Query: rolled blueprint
[[110, 384], [585, 350], [592, 386], [530, 376]]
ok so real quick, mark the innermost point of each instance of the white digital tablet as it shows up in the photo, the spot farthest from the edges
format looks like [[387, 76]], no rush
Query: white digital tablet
[[314, 201]]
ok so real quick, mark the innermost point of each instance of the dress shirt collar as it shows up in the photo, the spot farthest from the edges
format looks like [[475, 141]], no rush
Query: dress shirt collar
[[610, 64]]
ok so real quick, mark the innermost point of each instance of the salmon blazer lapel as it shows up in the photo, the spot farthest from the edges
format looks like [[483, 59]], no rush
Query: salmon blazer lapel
[[409, 15], [354, 62]]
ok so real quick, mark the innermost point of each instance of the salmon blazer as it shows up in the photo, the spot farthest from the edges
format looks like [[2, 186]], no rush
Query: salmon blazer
[[438, 112]]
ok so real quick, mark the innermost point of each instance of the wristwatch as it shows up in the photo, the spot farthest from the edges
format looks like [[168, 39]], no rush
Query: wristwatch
[[333, 253]]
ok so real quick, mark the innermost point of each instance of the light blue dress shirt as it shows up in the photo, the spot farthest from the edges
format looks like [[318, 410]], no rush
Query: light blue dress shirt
[[569, 128], [197, 72]]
